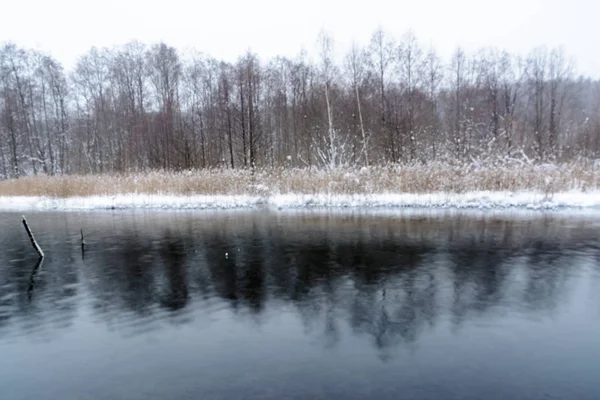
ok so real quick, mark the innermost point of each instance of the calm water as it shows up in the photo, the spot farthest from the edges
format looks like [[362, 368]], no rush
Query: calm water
[[259, 305]]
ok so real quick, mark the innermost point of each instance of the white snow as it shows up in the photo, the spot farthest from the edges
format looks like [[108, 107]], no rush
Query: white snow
[[481, 199], [471, 200], [133, 201]]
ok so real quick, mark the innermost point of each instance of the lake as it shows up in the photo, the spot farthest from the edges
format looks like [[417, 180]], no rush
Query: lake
[[300, 305]]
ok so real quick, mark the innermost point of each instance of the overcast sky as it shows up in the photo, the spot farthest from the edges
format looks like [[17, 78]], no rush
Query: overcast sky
[[226, 29]]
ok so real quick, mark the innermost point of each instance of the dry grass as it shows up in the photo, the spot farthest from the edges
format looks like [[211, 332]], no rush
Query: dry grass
[[395, 179]]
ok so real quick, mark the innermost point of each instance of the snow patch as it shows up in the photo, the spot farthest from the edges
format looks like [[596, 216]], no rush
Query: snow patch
[[133, 201], [472, 200], [481, 199]]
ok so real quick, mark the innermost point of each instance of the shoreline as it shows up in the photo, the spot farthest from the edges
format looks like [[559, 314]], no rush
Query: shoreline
[[482, 200]]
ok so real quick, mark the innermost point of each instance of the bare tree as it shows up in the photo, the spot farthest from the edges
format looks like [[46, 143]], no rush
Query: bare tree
[[411, 68], [512, 73], [537, 69], [559, 73], [355, 61], [433, 72], [333, 154], [382, 51], [165, 71], [458, 69]]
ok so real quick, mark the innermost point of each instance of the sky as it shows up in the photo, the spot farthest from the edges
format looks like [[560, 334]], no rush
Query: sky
[[226, 29]]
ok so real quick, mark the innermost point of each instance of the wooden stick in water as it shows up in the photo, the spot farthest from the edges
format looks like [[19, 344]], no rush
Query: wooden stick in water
[[82, 245], [33, 242], [34, 272]]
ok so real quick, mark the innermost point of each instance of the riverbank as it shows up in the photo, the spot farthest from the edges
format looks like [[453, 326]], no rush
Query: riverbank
[[436, 185], [479, 200]]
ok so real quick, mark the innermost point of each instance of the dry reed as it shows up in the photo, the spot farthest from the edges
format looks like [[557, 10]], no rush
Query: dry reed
[[393, 179]]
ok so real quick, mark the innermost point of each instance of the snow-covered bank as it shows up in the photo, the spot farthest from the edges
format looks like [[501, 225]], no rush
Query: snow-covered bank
[[129, 201], [472, 200], [481, 199]]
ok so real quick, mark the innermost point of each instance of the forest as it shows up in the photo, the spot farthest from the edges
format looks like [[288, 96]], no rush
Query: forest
[[392, 100]]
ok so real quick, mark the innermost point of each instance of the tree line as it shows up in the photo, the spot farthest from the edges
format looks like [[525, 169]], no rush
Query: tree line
[[138, 107]]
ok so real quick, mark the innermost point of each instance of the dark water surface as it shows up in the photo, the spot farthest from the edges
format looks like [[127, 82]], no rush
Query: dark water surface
[[260, 305]]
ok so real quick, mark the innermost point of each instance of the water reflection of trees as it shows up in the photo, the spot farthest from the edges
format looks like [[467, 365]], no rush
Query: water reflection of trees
[[388, 280]]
